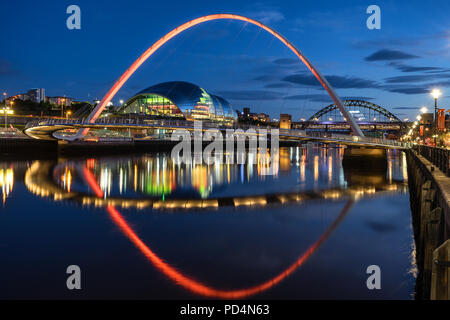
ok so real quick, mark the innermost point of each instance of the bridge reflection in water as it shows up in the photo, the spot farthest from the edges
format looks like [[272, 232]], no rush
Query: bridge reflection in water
[[154, 183]]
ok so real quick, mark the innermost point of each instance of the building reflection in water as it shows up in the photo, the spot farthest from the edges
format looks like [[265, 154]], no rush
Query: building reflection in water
[[157, 176], [6, 182]]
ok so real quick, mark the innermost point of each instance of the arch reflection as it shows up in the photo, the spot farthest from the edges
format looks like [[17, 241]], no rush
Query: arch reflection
[[58, 180], [196, 286]]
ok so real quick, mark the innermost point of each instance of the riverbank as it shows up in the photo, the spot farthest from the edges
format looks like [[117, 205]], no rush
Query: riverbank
[[430, 206]]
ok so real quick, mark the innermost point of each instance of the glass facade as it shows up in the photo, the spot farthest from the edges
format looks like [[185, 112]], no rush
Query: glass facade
[[180, 100]]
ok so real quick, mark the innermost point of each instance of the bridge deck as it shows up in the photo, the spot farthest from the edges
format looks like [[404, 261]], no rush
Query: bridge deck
[[48, 130]]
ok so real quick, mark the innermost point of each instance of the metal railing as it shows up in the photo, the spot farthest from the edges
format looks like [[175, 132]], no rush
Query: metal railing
[[440, 157], [207, 124]]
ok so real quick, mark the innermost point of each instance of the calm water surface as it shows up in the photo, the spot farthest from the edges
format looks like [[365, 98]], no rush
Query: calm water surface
[[141, 227]]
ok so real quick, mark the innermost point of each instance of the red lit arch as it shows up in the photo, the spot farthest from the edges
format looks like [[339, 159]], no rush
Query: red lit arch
[[158, 44], [196, 286]]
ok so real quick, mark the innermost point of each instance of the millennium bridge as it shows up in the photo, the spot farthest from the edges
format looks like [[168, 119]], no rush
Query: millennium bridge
[[50, 130]]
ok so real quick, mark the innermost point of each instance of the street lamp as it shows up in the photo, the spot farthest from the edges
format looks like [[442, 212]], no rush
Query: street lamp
[[6, 111], [424, 109], [436, 93]]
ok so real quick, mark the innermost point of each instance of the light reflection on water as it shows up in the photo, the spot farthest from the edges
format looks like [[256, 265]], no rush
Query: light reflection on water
[[229, 249]]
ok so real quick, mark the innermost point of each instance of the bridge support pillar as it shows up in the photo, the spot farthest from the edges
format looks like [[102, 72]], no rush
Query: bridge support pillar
[[365, 158]]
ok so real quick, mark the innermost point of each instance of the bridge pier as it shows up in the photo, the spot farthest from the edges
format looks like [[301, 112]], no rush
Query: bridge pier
[[365, 158]]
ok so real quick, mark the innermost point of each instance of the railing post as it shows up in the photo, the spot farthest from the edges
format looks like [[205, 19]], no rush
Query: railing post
[[440, 282]]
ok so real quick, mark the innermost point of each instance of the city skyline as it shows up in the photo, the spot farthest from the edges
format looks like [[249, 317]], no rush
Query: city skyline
[[394, 67]]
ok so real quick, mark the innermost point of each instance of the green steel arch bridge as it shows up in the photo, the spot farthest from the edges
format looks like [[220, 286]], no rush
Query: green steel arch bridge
[[368, 116]]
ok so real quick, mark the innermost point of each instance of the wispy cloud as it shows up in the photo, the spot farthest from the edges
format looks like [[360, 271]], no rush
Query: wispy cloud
[[311, 97], [339, 82], [266, 14], [286, 61], [251, 95], [408, 68], [407, 90], [386, 55]]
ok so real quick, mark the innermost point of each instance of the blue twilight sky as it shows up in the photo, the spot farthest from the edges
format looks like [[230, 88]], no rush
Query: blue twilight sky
[[394, 67]]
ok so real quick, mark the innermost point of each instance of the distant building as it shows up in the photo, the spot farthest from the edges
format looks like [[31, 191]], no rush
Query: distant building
[[285, 121], [264, 117], [37, 94], [247, 115], [21, 96], [60, 101], [427, 118]]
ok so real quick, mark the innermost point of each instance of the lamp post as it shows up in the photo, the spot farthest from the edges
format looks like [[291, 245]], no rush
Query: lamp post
[[436, 93], [4, 107], [7, 111]]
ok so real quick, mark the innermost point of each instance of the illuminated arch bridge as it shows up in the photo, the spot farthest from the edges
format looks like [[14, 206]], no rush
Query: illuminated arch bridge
[[362, 111], [368, 116]]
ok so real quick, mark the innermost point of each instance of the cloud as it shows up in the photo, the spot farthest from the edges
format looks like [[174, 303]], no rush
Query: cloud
[[310, 97], [267, 16], [286, 61], [408, 68], [386, 54], [407, 90], [339, 82], [323, 98], [278, 85], [357, 98], [303, 79], [251, 95], [266, 78], [405, 108], [415, 78]]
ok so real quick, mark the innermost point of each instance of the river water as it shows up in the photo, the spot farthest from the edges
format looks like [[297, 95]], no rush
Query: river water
[[140, 226]]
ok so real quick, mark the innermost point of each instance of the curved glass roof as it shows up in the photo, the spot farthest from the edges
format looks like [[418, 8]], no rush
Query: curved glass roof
[[189, 98]]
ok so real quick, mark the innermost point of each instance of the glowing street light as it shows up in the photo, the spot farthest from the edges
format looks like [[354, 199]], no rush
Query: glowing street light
[[418, 118], [436, 93], [424, 109], [6, 111]]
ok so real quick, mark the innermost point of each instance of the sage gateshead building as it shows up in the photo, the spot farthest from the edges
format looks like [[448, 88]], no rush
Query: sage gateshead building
[[179, 100]]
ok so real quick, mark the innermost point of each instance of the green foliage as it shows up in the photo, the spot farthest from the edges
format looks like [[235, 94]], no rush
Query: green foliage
[[29, 107]]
